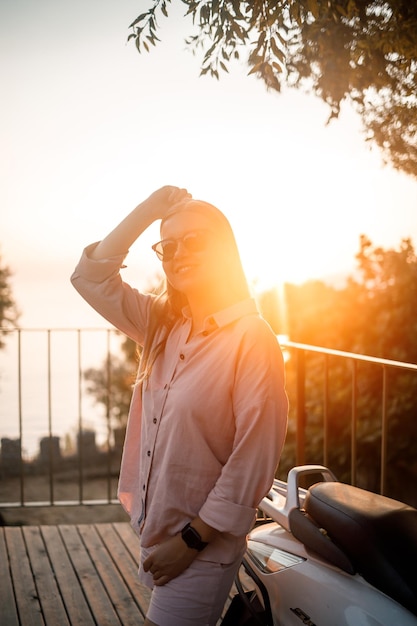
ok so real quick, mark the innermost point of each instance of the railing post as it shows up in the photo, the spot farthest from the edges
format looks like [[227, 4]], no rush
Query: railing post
[[326, 411], [20, 416], [50, 444], [384, 431], [353, 424], [108, 415], [80, 422], [301, 410]]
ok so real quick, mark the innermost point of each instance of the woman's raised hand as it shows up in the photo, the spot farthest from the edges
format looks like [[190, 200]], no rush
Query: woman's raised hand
[[164, 199], [155, 207]]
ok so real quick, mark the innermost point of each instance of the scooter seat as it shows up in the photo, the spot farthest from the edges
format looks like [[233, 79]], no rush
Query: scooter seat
[[378, 534]]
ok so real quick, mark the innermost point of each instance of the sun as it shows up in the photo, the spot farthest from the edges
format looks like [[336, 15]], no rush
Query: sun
[[300, 249], [306, 231]]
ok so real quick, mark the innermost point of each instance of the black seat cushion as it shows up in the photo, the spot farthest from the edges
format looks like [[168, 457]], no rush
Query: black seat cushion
[[378, 534]]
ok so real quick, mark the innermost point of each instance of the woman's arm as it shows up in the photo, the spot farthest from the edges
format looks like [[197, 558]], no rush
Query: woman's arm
[[119, 240], [260, 408], [100, 283], [173, 556]]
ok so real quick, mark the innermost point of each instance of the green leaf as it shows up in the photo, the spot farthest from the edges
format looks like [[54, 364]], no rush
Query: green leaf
[[215, 6], [256, 68], [139, 19], [278, 52], [152, 38], [236, 9], [275, 48], [261, 39], [239, 32]]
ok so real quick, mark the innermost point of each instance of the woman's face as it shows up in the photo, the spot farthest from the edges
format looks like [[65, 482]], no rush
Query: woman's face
[[191, 245]]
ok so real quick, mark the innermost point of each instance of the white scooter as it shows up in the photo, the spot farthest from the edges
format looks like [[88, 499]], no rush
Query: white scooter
[[333, 555]]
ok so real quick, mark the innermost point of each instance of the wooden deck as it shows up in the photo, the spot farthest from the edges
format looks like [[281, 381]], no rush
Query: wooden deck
[[70, 575], [83, 574]]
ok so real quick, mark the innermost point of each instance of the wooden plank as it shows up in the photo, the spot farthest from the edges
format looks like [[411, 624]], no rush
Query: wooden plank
[[27, 601], [50, 599], [126, 564], [7, 600], [69, 585], [71, 575], [130, 539], [119, 594], [98, 600]]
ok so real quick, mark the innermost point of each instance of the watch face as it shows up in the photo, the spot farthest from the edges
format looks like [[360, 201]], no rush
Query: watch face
[[192, 538]]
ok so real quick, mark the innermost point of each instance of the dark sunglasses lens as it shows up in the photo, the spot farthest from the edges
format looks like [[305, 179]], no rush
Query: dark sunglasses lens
[[193, 242], [168, 249]]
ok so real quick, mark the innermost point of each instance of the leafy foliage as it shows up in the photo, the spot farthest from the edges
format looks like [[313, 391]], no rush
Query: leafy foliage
[[8, 309], [363, 51], [374, 314]]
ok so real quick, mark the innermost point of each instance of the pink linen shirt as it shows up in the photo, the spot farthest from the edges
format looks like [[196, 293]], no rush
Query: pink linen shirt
[[206, 430]]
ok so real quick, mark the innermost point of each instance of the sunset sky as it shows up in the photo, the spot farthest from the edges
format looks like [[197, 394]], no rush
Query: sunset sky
[[89, 128]]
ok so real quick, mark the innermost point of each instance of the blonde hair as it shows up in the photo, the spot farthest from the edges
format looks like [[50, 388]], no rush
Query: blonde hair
[[168, 304]]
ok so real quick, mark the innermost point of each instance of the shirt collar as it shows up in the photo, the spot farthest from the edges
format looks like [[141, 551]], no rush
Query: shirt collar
[[228, 315]]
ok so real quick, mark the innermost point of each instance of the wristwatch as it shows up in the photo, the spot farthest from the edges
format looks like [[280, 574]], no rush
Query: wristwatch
[[192, 538]]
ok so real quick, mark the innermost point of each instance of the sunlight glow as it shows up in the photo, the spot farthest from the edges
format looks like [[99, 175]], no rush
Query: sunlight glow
[[112, 126]]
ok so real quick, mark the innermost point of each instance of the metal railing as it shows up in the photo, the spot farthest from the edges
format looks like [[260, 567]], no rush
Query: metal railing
[[44, 396], [378, 398], [46, 367]]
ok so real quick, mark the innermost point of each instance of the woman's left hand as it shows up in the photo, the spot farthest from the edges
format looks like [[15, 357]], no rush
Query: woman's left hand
[[169, 560]]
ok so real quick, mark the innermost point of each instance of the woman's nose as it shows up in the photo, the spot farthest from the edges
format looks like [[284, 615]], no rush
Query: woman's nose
[[180, 248]]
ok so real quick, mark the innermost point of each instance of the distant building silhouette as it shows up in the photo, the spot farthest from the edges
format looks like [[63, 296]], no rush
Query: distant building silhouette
[[50, 450], [86, 446], [10, 456]]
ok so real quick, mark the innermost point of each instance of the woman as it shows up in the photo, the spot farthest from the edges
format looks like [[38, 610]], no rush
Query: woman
[[209, 411]]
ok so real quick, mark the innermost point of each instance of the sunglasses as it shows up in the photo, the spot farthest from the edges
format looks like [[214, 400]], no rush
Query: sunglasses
[[193, 242]]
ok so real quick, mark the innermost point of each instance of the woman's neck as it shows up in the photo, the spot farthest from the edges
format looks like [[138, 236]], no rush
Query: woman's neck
[[208, 304]]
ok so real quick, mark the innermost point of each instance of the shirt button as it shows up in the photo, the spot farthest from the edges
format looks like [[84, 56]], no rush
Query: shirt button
[[148, 453], [143, 487], [205, 333], [182, 357], [154, 420]]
